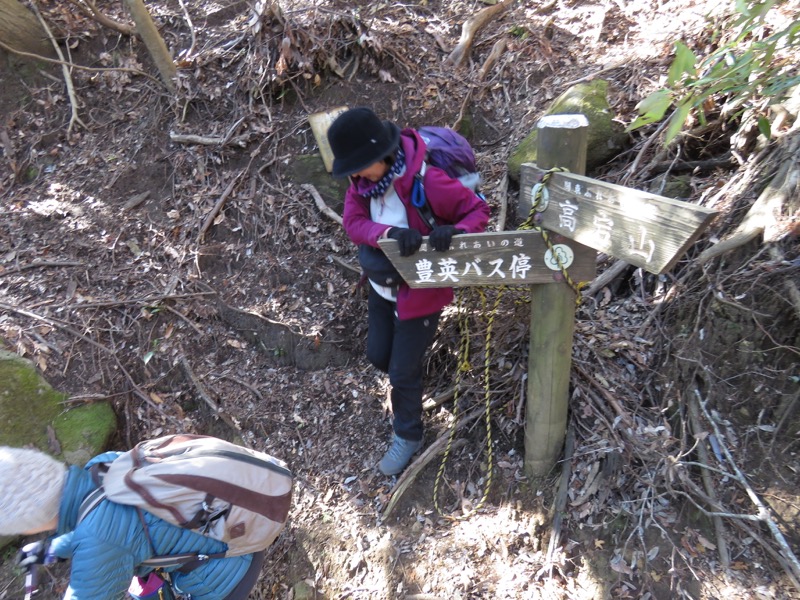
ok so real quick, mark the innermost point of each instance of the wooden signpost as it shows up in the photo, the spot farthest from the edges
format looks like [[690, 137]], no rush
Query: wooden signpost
[[645, 230], [502, 258], [582, 216]]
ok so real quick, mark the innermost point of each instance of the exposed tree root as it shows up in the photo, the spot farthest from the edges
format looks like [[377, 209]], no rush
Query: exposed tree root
[[471, 26], [765, 215]]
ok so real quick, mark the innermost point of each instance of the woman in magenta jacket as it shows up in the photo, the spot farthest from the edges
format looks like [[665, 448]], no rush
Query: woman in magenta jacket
[[381, 161]]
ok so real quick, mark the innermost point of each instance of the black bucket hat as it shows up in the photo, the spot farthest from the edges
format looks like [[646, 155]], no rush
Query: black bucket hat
[[358, 139]]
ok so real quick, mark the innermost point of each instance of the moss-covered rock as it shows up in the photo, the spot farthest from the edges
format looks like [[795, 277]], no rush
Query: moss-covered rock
[[32, 413], [672, 186], [605, 135], [30, 408]]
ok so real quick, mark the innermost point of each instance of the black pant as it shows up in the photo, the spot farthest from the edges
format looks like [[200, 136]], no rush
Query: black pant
[[398, 348]]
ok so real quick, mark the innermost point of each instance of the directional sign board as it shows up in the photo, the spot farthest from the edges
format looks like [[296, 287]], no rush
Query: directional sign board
[[643, 229], [501, 258]]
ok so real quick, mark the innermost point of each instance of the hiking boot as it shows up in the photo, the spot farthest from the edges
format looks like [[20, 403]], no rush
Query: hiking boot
[[398, 455]]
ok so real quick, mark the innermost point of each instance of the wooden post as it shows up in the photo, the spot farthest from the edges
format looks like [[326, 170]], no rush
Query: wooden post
[[320, 123], [562, 142]]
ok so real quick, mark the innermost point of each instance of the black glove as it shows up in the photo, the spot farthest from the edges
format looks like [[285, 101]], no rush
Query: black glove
[[441, 237], [409, 239]]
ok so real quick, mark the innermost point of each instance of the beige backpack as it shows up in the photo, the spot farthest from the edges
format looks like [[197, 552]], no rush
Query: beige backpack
[[213, 487]]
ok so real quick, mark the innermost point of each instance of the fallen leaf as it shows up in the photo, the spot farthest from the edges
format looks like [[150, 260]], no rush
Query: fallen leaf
[[705, 543], [620, 566]]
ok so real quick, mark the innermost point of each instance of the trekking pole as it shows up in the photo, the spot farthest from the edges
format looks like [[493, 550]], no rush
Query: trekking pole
[[29, 558], [31, 582]]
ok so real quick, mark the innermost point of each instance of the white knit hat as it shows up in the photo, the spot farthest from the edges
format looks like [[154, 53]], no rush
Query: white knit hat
[[31, 483]]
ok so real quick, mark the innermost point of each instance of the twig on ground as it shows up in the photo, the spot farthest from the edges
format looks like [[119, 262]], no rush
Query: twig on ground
[[765, 212], [147, 301], [206, 140], [323, 208], [559, 505], [65, 63], [345, 264], [198, 385], [217, 207], [89, 398], [462, 110], [67, 77], [785, 410], [606, 277], [188, 138], [497, 51], [724, 161], [648, 142], [763, 510], [439, 399], [93, 12], [547, 7], [593, 74], [626, 418], [708, 484], [41, 264], [244, 384], [188, 18], [792, 290], [184, 318]]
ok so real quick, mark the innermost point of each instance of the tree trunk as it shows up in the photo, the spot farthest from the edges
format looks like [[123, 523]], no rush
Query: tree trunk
[[20, 30]]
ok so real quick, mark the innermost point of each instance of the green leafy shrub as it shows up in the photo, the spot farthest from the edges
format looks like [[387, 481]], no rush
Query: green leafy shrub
[[750, 63]]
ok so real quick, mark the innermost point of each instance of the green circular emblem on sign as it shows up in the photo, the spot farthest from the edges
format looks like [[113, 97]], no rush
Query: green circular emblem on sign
[[559, 257]]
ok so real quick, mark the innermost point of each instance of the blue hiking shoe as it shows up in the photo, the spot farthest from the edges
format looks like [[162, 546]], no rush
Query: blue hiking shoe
[[398, 455]]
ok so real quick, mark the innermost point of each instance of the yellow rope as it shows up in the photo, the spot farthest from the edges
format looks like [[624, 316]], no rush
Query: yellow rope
[[463, 357], [529, 223], [464, 367]]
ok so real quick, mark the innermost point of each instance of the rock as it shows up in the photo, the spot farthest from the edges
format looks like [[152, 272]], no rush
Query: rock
[[310, 169], [606, 137], [32, 413], [304, 591], [674, 186]]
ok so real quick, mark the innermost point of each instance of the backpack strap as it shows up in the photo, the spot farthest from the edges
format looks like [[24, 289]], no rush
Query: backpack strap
[[89, 503], [187, 561], [418, 199]]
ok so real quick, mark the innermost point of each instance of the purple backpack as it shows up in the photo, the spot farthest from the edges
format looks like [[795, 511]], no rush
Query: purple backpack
[[448, 150]]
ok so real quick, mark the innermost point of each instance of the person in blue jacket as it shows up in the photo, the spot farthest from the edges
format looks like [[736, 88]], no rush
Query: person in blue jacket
[[382, 161], [40, 494]]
